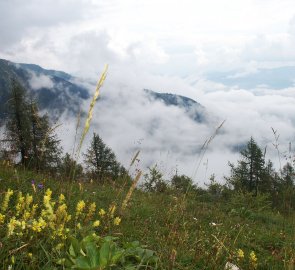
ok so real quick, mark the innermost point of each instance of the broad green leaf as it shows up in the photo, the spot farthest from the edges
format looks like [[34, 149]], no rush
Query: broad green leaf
[[72, 251], [82, 263], [117, 256], [104, 254], [92, 253], [75, 245]]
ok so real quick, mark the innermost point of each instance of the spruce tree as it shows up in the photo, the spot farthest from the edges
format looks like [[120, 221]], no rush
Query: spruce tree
[[154, 181], [250, 172], [182, 183], [18, 126], [30, 134], [68, 166], [101, 160]]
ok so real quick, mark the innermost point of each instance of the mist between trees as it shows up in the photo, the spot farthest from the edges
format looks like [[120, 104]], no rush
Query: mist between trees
[[30, 142]]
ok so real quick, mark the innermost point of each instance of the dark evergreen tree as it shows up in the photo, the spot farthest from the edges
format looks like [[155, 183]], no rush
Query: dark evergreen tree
[[30, 134], [153, 181], [69, 168], [288, 175], [45, 148], [182, 183], [101, 160], [250, 173], [18, 126]]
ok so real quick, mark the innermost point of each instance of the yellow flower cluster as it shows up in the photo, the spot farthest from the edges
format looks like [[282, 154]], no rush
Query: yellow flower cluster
[[39, 225], [80, 207], [102, 212], [117, 221], [240, 254], [91, 211], [253, 259], [2, 218], [7, 196], [61, 198], [51, 218], [112, 210], [96, 223]]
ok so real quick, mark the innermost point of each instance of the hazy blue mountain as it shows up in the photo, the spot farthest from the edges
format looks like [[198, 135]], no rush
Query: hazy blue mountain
[[275, 78], [56, 93], [38, 70], [194, 109]]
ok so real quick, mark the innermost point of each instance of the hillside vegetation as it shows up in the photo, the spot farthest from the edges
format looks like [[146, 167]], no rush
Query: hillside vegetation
[[195, 231]]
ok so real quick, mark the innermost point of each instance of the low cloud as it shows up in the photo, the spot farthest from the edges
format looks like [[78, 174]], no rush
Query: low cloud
[[38, 82], [128, 121]]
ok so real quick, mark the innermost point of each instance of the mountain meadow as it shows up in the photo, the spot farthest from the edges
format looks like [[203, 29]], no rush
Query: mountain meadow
[[85, 210]]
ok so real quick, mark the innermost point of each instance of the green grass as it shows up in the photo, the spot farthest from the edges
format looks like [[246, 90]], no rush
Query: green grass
[[187, 232]]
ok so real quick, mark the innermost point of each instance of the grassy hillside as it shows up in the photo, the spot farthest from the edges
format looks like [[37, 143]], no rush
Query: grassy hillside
[[193, 231]]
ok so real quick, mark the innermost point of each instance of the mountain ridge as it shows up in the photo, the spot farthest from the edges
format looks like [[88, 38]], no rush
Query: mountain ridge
[[56, 92]]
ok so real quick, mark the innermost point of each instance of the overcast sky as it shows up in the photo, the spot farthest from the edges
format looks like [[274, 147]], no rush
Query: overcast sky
[[160, 36], [167, 46]]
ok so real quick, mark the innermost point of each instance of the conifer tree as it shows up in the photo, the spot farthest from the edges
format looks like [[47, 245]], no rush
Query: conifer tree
[[101, 160], [182, 183], [18, 131], [288, 175], [68, 166], [250, 173], [30, 134], [154, 181]]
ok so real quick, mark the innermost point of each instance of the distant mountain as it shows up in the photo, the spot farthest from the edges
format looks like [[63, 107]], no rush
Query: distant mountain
[[275, 78], [194, 109], [53, 90], [57, 92]]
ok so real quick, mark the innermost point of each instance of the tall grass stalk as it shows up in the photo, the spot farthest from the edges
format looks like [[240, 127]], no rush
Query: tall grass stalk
[[90, 113], [204, 148], [91, 108], [276, 146], [131, 189], [126, 176]]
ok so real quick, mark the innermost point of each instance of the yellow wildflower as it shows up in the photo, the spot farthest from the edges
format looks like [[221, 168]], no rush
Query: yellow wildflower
[[46, 199], [30, 255], [20, 203], [61, 198], [80, 207], [29, 200], [61, 214], [23, 225], [48, 192], [117, 221], [112, 209], [7, 196], [91, 210], [11, 226], [34, 208], [253, 259], [102, 212], [39, 225], [96, 223], [26, 215], [240, 254], [2, 218], [78, 226]]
